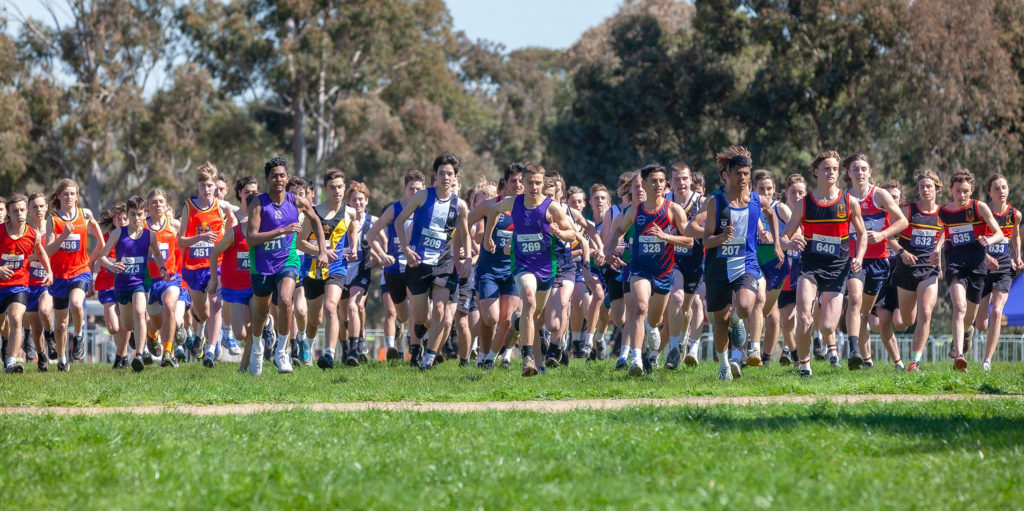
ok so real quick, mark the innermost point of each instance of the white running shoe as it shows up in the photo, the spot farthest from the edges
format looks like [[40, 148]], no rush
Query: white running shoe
[[284, 362], [986, 366], [692, 359], [636, 369], [654, 338], [754, 356], [256, 359], [734, 366], [725, 374]]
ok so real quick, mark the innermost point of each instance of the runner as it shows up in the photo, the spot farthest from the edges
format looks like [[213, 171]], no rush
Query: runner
[[109, 220], [436, 213], [731, 218], [393, 259], [298, 345], [534, 226], [495, 285], [586, 282], [274, 263], [915, 276], [163, 296], [1007, 258], [824, 217], [964, 241], [324, 283], [133, 244], [796, 189], [613, 269], [887, 304], [594, 347], [653, 262], [353, 297], [217, 304], [685, 315], [203, 221], [774, 270], [234, 282], [67, 233], [882, 220], [40, 306], [463, 328], [18, 242]]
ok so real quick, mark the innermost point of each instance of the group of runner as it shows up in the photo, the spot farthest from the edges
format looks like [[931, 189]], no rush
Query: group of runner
[[486, 268]]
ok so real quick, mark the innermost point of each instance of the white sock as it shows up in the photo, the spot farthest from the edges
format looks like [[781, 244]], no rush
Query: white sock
[[673, 342], [389, 341], [805, 366], [507, 357], [637, 355], [588, 340], [624, 351], [282, 341], [723, 360], [329, 351], [62, 359], [575, 335], [11, 361], [755, 345]]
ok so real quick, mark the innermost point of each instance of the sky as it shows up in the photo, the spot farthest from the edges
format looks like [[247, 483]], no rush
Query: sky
[[521, 23]]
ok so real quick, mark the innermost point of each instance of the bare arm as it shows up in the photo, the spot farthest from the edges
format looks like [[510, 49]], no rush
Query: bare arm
[[105, 260], [44, 260], [503, 206], [411, 257], [993, 226]]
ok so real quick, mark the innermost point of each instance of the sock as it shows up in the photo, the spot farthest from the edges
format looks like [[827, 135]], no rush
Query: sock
[[623, 351], [527, 351], [805, 364], [987, 360], [854, 342], [11, 361], [211, 348], [389, 341], [62, 359], [329, 351], [152, 335], [637, 355], [723, 360], [588, 339], [168, 347], [575, 335], [282, 341], [916, 356], [301, 336], [755, 345], [694, 342], [673, 342], [831, 349], [867, 358], [507, 356], [353, 343], [428, 359]]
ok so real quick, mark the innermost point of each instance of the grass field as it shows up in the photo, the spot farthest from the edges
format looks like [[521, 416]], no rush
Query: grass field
[[193, 384], [944, 455]]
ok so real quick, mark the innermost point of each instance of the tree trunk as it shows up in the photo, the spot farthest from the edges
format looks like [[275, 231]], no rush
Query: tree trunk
[[299, 134]]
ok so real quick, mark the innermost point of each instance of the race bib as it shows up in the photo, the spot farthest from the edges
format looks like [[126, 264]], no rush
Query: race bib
[[274, 245], [502, 238], [922, 238], [200, 250], [529, 243], [1001, 248], [132, 265], [164, 250], [651, 245], [12, 261], [874, 224], [73, 243], [36, 270], [961, 235], [243, 260], [432, 240], [825, 245], [683, 251]]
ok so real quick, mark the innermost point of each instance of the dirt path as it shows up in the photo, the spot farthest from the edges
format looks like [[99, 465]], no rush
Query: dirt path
[[473, 406]]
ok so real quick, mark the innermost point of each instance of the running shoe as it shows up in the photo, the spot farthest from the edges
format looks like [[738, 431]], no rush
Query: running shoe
[[805, 373], [63, 366], [179, 353], [393, 354], [754, 356], [51, 345], [734, 366], [505, 364], [43, 363], [600, 350], [986, 366], [637, 369], [577, 349], [305, 354], [725, 374], [325, 362], [766, 358], [30, 347], [180, 334], [268, 341], [785, 359], [834, 360], [868, 365], [415, 355], [78, 347], [208, 360], [968, 340], [131, 341], [284, 362], [553, 356], [364, 351], [854, 359], [622, 363], [529, 366], [587, 352], [232, 345], [147, 357], [137, 364], [672, 359], [168, 361], [256, 359], [117, 362], [654, 338], [899, 367], [737, 334], [488, 365], [960, 364], [352, 357], [463, 362], [15, 368], [155, 347], [513, 331], [914, 367], [691, 359], [564, 360], [819, 349]]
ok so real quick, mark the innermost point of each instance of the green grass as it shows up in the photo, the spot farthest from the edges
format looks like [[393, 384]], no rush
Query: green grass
[[193, 384], [939, 455]]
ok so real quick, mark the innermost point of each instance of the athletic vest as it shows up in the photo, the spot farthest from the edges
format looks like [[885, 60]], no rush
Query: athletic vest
[[14, 254], [432, 227], [532, 247], [826, 228], [737, 256], [766, 251], [498, 262], [71, 258], [692, 256], [334, 238], [921, 234], [166, 239], [133, 254], [105, 279], [394, 244], [278, 253], [235, 268], [201, 221], [875, 219], [1007, 223], [651, 254], [962, 228]]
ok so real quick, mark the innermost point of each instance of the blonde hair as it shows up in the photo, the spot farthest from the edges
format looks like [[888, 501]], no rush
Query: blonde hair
[[206, 172], [62, 185]]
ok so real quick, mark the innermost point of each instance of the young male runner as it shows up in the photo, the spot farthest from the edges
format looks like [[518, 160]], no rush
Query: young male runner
[[163, 296], [18, 241], [685, 315], [358, 272], [1005, 256]]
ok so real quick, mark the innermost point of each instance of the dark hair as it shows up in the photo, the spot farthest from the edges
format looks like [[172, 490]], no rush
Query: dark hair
[[992, 179], [14, 199], [845, 165], [413, 175], [533, 168], [294, 183], [135, 202], [272, 164], [680, 166], [893, 184], [651, 168], [106, 218], [447, 159], [962, 176], [762, 174], [512, 169], [696, 180], [332, 174], [242, 183], [824, 155], [735, 157]]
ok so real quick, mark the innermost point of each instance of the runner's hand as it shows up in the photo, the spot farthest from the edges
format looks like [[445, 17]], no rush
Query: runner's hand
[[991, 263], [6, 273], [855, 265], [797, 244], [933, 258], [208, 237], [351, 255], [412, 259], [48, 280], [489, 245], [874, 237], [292, 228], [908, 258], [211, 287]]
